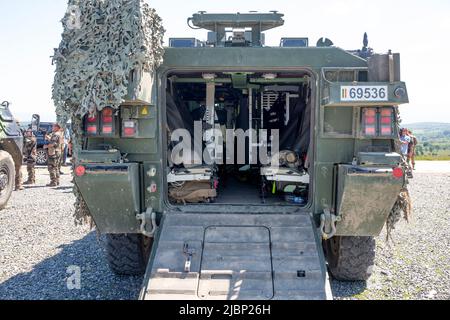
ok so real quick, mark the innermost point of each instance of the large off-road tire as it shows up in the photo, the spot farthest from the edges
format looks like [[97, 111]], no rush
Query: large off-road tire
[[7, 178], [351, 258], [128, 254]]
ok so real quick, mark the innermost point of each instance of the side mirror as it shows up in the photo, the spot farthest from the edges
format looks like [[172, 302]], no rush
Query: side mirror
[[35, 122]]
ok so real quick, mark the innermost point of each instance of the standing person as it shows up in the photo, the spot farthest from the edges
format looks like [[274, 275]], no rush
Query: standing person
[[62, 160], [53, 146], [412, 150], [30, 153], [405, 140], [19, 176]]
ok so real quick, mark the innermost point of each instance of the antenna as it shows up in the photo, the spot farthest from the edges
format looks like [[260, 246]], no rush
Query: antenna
[[365, 41]]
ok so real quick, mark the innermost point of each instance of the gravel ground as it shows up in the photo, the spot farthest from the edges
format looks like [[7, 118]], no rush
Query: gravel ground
[[416, 264], [39, 244]]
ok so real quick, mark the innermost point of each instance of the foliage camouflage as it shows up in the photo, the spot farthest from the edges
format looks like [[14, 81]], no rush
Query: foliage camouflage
[[102, 43]]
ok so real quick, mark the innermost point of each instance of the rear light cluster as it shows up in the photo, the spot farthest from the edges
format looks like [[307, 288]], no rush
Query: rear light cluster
[[105, 124], [107, 121], [92, 124], [378, 122], [101, 124], [386, 121]]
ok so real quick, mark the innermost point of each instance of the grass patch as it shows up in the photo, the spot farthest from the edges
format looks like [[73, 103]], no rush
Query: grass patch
[[433, 158]]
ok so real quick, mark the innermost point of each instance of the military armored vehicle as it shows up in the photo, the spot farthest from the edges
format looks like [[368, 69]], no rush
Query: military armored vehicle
[[206, 219], [11, 145]]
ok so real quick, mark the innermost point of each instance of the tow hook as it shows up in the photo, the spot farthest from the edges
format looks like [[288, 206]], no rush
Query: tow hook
[[148, 218], [328, 224]]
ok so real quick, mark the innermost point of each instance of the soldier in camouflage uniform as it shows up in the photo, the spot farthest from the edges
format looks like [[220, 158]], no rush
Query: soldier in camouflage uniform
[[53, 146], [30, 153], [18, 182], [63, 147]]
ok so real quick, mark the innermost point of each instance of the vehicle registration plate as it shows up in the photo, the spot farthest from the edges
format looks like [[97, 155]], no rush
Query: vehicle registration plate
[[364, 93]]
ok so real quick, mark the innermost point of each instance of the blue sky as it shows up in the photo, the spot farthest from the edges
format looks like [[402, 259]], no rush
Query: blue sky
[[419, 30]]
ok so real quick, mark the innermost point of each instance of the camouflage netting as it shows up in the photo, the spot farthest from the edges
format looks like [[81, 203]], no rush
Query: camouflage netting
[[403, 205], [402, 209], [102, 43]]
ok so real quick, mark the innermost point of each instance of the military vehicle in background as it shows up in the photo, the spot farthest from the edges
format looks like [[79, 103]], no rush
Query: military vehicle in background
[[214, 230], [11, 158]]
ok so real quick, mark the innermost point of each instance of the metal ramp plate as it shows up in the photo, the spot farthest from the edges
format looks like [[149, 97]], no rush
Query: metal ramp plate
[[237, 257]]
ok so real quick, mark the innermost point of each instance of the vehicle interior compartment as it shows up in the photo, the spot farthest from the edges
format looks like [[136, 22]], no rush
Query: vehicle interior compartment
[[239, 138]]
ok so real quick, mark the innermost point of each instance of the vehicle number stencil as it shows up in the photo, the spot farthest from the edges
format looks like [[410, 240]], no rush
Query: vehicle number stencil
[[364, 93]]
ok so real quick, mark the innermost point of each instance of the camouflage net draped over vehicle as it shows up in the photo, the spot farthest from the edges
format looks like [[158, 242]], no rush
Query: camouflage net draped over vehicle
[[403, 205], [102, 43], [402, 209]]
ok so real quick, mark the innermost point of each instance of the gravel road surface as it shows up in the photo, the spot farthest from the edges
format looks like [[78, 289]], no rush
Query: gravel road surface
[[41, 250]]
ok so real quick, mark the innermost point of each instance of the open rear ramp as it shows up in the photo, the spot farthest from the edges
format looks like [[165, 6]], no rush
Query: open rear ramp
[[237, 257]]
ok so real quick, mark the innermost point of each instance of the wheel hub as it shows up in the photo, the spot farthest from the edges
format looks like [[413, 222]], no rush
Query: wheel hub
[[41, 157]]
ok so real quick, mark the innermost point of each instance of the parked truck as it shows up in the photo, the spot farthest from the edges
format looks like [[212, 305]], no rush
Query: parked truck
[[212, 223]]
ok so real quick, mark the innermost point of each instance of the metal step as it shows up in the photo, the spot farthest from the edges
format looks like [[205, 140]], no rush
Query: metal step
[[237, 257]]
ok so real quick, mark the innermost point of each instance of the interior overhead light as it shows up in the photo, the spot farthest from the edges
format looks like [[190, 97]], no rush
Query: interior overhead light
[[270, 76], [209, 76]]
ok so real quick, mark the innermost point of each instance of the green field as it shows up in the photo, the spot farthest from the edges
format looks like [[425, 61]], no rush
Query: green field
[[434, 140]]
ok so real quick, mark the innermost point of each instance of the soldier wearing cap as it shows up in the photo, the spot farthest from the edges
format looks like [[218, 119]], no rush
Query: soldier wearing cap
[[53, 146]]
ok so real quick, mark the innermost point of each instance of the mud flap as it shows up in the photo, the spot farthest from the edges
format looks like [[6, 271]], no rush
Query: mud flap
[[365, 197], [237, 257]]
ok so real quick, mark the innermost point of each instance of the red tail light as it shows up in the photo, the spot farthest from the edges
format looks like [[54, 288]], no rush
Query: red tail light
[[92, 125], [386, 119], [129, 129], [370, 121], [107, 115], [378, 122], [108, 121]]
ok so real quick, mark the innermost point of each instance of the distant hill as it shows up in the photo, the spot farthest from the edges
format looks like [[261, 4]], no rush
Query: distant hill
[[434, 140], [428, 126]]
